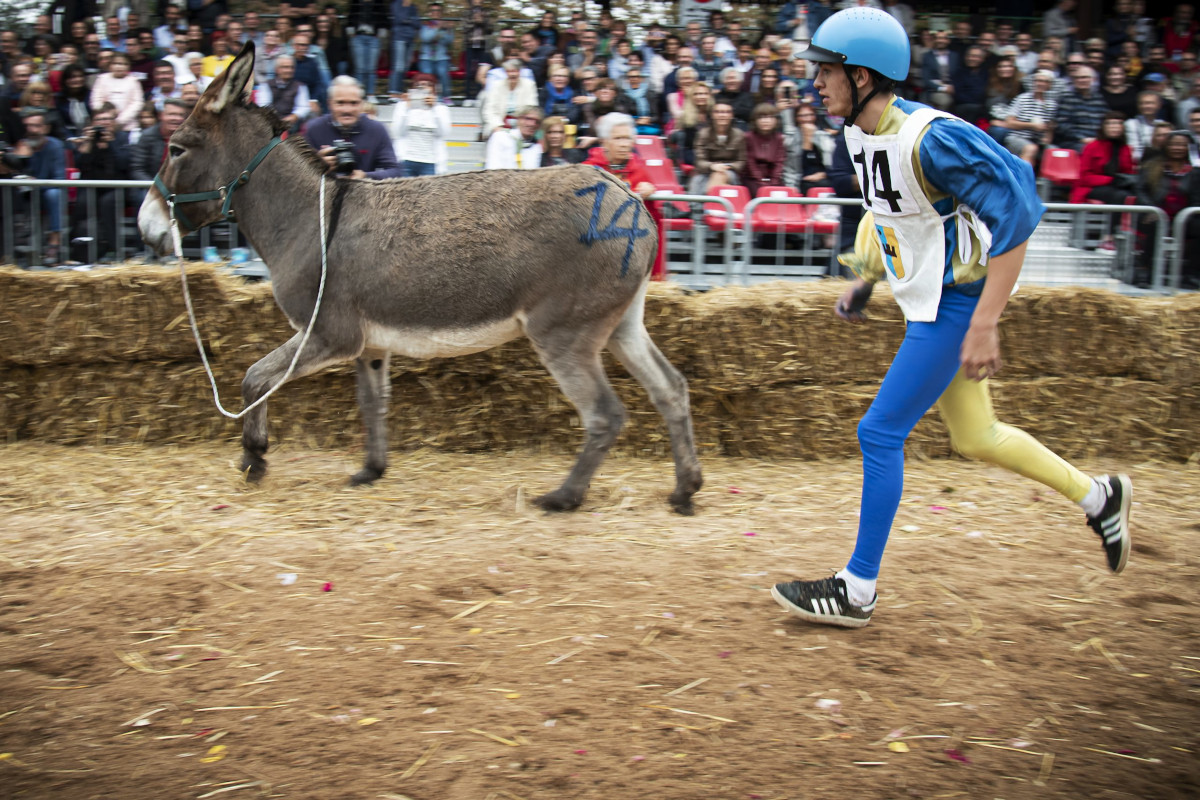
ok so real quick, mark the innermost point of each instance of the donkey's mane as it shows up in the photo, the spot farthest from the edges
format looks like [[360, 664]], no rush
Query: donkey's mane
[[278, 126]]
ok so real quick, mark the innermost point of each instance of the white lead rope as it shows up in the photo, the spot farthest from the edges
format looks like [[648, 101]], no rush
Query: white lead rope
[[176, 240]]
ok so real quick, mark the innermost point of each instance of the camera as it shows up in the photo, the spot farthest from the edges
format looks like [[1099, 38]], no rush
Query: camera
[[10, 159], [95, 132], [416, 97], [345, 159]]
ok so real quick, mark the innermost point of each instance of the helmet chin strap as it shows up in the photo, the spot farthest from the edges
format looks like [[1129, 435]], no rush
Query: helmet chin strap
[[856, 105]]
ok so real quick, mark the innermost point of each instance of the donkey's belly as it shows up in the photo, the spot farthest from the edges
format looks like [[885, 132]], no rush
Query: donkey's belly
[[441, 342]]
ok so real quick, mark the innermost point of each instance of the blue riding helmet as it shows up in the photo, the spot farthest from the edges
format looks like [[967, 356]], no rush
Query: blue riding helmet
[[862, 37]]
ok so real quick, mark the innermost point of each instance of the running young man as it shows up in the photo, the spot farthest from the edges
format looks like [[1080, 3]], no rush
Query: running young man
[[950, 215]]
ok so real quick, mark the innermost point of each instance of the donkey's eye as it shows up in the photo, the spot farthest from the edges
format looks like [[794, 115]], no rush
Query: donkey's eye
[[175, 150]]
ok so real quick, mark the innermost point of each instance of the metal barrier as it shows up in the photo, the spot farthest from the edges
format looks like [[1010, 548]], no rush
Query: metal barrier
[[1179, 234], [738, 269], [700, 231], [830, 267], [1115, 266], [1162, 225], [23, 240], [84, 223]]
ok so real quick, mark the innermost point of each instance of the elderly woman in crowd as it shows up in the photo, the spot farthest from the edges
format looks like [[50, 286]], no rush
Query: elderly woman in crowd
[[502, 100], [121, 89], [615, 155], [420, 129], [732, 93]]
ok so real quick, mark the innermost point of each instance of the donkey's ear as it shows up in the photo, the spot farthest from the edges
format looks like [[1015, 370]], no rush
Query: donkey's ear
[[231, 85]]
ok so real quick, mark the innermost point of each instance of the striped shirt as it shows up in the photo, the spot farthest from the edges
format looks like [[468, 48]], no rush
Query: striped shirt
[[1027, 108]]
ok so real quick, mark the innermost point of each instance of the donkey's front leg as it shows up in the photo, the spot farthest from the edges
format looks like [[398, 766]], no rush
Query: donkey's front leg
[[374, 390], [268, 371]]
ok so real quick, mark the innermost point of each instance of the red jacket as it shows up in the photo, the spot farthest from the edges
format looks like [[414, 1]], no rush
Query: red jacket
[[634, 173], [1092, 165]]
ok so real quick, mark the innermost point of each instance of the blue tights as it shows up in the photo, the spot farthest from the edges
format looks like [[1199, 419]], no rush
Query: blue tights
[[922, 369]]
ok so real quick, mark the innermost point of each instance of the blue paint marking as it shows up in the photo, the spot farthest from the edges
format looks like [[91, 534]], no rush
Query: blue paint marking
[[595, 233]]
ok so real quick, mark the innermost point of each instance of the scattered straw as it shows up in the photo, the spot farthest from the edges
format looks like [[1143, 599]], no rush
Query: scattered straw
[[229, 789], [420, 762], [691, 713], [494, 737]]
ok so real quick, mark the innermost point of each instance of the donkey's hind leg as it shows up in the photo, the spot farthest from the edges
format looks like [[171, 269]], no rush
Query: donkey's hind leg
[[575, 364], [265, 373], [668, 390], [374, 389]]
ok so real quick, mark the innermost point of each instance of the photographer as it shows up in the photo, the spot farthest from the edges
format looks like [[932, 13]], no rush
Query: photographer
[[420, 128], [350, 142], [102, 154]]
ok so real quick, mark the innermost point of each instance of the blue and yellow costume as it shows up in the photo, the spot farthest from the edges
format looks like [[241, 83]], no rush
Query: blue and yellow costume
[[945, 202], [955, 165]]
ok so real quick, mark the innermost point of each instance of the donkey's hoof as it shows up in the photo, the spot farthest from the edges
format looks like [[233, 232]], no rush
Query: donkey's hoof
[[253, 469], [682, 505], [558, 500], [365, 476]]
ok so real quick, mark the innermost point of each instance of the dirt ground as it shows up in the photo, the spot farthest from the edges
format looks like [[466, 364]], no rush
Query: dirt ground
[[167, 631]]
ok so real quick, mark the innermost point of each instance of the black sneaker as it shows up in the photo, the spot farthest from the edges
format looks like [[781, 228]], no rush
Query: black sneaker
[[823, 601], [1112, 523]]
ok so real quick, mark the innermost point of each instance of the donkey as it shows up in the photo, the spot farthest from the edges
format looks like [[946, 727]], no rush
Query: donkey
[[429, 267]]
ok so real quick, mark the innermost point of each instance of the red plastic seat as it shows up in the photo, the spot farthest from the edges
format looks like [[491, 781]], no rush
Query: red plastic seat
[[650, 147], [662, 172], [1060, 166], [717, 217], [779, 217], [819, 225]]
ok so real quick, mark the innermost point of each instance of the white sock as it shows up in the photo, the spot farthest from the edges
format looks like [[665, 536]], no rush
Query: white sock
[[1093, 502], [861, 591]]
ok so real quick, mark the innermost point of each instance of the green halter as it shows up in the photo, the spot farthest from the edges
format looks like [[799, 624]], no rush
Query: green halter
[[224, 193]]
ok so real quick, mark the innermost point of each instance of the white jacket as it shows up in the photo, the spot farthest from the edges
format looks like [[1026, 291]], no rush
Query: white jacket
[[500, 101]]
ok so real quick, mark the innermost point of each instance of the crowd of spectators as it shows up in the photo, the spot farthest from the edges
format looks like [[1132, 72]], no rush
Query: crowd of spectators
[[101, 95]]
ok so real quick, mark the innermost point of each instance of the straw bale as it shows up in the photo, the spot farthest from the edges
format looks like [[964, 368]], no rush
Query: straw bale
[[1089, 417], [809, 422], [127, 313], [106, 356], [785, 333], [14, 401], [1048, 331]]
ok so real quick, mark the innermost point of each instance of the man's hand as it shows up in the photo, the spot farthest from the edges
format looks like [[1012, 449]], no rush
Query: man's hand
[[980, 354], [645, 189], [326, 154], [851, 304], [23, 149]]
